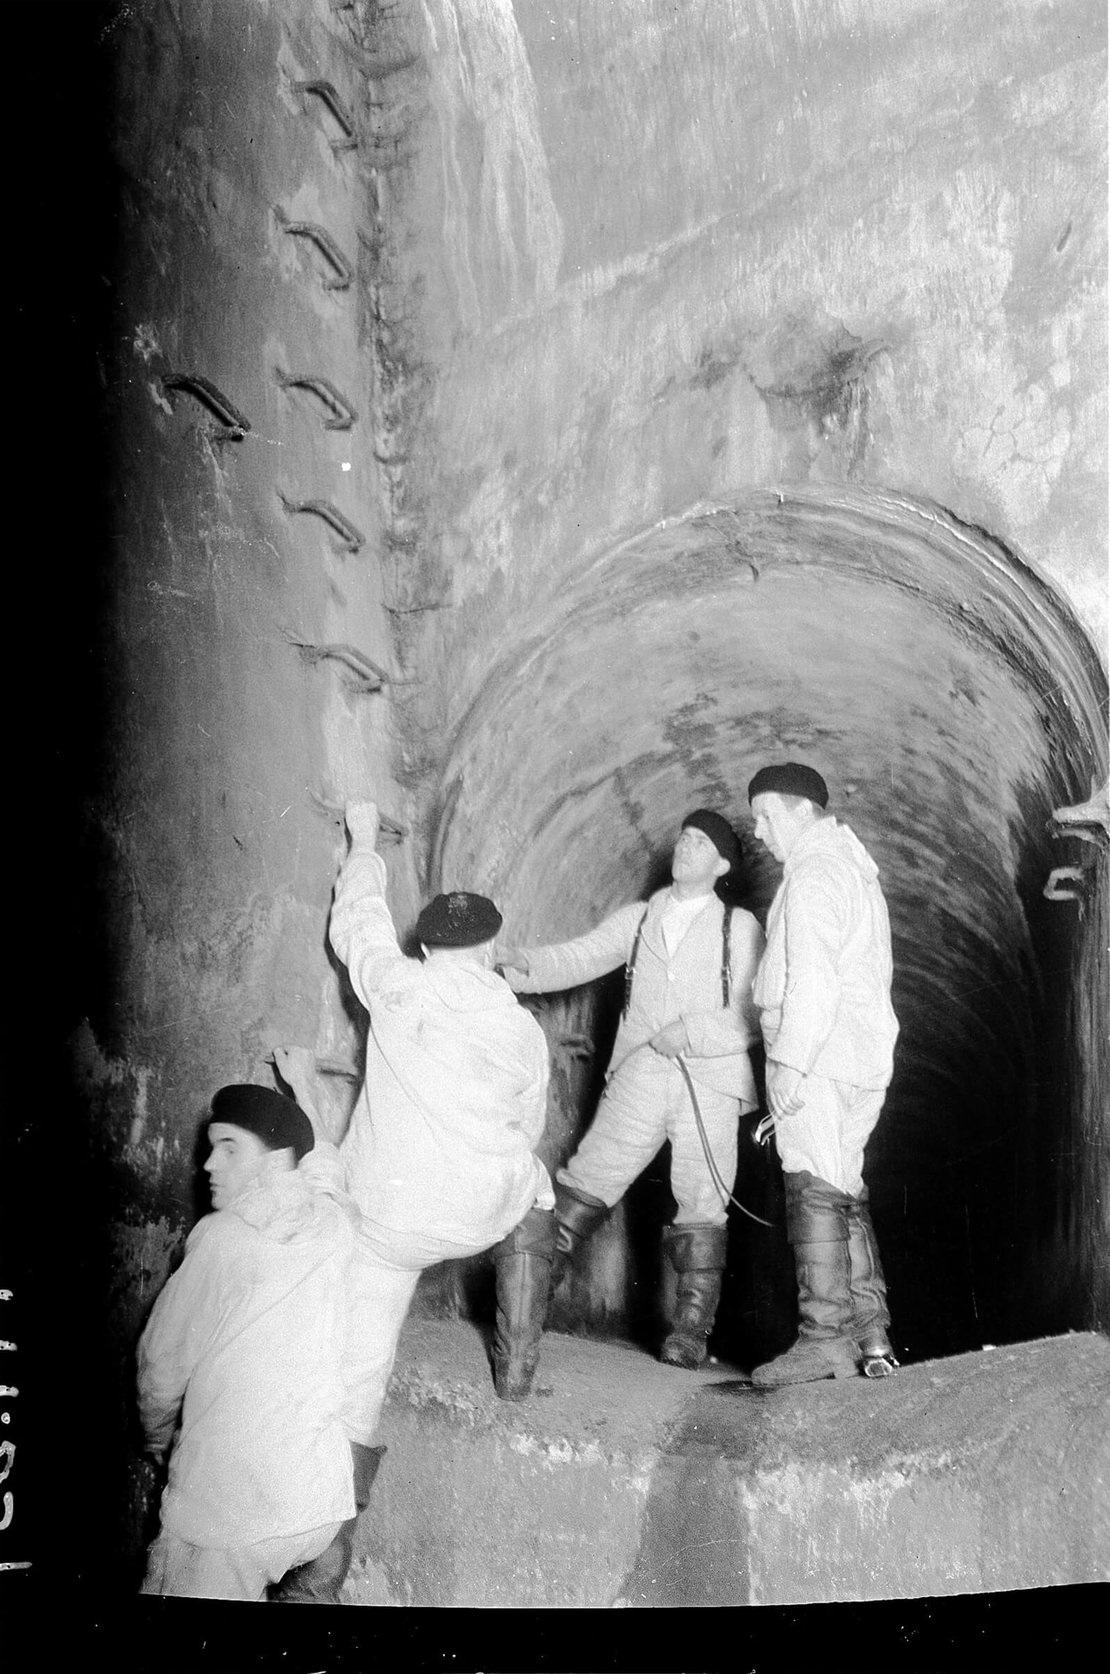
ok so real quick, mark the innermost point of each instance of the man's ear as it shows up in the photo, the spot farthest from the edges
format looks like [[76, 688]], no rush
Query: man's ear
[[721, 867]]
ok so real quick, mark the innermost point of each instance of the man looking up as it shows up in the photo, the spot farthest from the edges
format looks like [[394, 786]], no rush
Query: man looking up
[[689, 967], [823, 991]]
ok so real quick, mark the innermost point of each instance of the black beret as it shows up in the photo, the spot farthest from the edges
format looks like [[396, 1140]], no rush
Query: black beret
[[719, 832], [277, 1120], [458, 920], [790, 778]]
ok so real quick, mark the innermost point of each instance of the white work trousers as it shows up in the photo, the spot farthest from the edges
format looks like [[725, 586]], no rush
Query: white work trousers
[[645, 1103], [380, 1286], [828, 1134], [178, 1569]]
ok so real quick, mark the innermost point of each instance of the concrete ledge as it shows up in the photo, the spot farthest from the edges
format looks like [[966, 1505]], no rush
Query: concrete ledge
[[625, 1483]]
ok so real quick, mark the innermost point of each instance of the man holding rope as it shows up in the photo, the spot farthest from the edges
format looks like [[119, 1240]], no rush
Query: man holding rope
[[680, 1068]]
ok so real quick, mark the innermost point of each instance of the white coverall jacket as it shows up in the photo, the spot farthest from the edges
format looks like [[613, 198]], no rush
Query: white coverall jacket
[[246, 1345], [646, 1101], [823, 990], [441, 1140]]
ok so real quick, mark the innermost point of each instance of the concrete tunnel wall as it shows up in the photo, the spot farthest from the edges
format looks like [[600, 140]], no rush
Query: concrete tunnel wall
[[721, 383]]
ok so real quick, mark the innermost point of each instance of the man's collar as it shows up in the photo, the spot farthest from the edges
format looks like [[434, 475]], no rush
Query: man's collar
[[812, 838], [686, 900]]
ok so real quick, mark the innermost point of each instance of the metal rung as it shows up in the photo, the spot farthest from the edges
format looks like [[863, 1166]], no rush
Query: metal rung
[[351, 537], [326, 93], [344, 415], [204, 391], [1088, 820], [335, 1066], [389, 830], [1055, 890], [373, 678], [343, 270]]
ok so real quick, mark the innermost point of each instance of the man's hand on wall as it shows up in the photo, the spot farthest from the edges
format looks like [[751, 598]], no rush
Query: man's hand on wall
[[510, 958], [672, 1041], [362, 822]]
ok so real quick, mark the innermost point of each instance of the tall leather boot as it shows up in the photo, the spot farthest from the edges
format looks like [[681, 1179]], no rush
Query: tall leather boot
[[697, 1254], [871, 1315], [577, 1217], [817, 1226], [319, 1580], [523, 1263]]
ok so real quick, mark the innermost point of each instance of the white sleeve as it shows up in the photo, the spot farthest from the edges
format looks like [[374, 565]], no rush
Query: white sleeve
[[568, 964], [178, 1331], [361, 926]]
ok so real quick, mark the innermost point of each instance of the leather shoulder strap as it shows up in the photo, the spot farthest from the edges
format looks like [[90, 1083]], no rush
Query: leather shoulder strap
[[630, 967], [726, 958]]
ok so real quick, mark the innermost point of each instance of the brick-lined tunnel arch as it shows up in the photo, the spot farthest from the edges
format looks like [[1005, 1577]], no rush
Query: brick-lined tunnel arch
[[952, 702]]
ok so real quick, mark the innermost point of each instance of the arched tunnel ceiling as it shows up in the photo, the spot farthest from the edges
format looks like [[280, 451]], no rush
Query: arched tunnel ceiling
[[933, 678], [948, 697]]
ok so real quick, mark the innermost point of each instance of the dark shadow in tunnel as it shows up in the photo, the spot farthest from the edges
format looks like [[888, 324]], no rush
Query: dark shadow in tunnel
[[72, 1417]]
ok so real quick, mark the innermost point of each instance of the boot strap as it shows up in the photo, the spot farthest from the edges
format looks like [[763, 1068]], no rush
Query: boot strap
[[879, 1364]]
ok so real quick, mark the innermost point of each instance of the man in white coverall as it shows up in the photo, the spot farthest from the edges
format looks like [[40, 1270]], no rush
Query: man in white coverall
[[242, 1358], [689, 967], [439, 1152], [823, 991]]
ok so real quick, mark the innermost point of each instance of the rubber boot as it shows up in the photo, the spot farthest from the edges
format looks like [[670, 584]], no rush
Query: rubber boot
[[319, 1581], [871, 1315], [577, 1217], [817, 1227], [697, 1254], [522, 1264]]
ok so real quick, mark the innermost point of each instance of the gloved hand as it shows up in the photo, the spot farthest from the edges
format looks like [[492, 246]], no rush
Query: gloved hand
[[362, 822], [671, 1041], [784, 1089]]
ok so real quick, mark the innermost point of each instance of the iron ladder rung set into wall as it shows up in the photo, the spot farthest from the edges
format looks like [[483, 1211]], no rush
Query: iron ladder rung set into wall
[[337, 413]]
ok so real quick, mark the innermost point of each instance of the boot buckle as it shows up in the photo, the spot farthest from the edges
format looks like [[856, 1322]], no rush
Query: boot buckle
[[879, 1363]]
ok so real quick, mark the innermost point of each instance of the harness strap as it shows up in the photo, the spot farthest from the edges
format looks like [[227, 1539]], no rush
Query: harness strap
[[630, 967], [714, 1172], [726, 963]]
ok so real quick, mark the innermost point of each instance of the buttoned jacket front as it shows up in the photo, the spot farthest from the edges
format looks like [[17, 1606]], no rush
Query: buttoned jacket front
[[666, 986]]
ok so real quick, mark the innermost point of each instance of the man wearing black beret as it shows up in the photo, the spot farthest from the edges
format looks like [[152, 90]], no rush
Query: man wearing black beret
[[689, 963], [439, 1154], [823, 991], [241, 1364]]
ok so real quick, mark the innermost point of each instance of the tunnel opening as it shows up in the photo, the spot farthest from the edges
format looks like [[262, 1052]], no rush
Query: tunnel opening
[[952, 701]]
